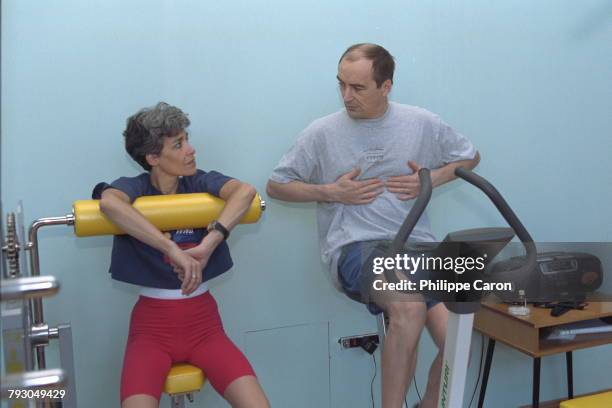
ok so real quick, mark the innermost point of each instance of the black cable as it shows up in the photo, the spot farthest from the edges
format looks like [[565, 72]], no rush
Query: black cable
[[372, 383], [479, 369]]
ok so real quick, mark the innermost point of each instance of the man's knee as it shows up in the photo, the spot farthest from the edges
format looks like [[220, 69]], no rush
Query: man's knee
[[407, 315]]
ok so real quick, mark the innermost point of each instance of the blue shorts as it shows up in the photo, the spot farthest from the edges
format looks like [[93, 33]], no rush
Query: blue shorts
[[355, 273]]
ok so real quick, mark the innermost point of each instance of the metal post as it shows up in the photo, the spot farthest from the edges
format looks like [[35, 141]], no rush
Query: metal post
[[177, 401], [37, 316]]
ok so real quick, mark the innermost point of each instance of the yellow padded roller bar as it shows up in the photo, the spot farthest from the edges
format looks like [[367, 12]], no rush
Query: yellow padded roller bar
[[166, 212]]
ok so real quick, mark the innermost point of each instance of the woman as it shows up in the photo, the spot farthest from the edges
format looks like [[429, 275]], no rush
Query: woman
[[176, 318]]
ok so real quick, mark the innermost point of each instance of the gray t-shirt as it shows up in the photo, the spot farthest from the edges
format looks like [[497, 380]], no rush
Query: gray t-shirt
[[335, 144]]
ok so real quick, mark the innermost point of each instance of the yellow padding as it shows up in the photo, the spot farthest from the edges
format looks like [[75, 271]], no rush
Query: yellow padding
[[601, 400], [184, 378], [166, 212]]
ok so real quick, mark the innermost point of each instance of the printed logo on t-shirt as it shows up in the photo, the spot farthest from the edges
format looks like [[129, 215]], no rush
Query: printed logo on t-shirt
[[184, 235], [374, 154], [185, 239], [372, 158]]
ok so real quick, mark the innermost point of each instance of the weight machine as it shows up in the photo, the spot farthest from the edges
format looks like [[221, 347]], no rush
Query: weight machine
[[25, 334]]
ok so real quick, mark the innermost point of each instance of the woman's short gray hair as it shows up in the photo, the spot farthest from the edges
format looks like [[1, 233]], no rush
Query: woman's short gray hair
[[145, 130]]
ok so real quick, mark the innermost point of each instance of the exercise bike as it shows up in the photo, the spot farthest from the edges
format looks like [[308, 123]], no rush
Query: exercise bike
[[484, 243]]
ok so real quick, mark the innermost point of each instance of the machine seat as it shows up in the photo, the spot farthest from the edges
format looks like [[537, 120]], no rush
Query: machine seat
[[184, 378]]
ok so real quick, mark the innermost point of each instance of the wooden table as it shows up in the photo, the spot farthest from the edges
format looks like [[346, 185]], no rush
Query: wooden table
[[527, 334]]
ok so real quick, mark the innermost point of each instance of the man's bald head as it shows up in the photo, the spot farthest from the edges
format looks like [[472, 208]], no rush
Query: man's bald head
[[383, 64]]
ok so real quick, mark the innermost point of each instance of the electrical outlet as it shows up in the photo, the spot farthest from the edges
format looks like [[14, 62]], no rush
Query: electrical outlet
[[358, 341]]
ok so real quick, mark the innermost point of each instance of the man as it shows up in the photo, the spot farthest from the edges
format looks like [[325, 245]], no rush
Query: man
[[359, 165]]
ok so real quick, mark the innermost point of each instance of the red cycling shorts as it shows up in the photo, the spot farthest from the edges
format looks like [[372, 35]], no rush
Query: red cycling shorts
[[163, 332]]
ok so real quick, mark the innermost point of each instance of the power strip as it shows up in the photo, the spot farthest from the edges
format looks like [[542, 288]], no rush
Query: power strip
[[368, 342]]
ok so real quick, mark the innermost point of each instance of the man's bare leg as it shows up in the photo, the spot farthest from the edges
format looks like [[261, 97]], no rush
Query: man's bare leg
[[437, 318], [406, 321]]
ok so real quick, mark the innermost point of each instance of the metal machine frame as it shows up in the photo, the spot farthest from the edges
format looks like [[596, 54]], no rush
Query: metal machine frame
[[25, 333]]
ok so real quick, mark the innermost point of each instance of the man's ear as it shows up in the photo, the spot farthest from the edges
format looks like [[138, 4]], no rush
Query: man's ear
[[387, 85], [152, 159]]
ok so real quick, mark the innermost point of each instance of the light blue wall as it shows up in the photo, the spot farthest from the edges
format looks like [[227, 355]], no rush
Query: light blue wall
[[528, 82]]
